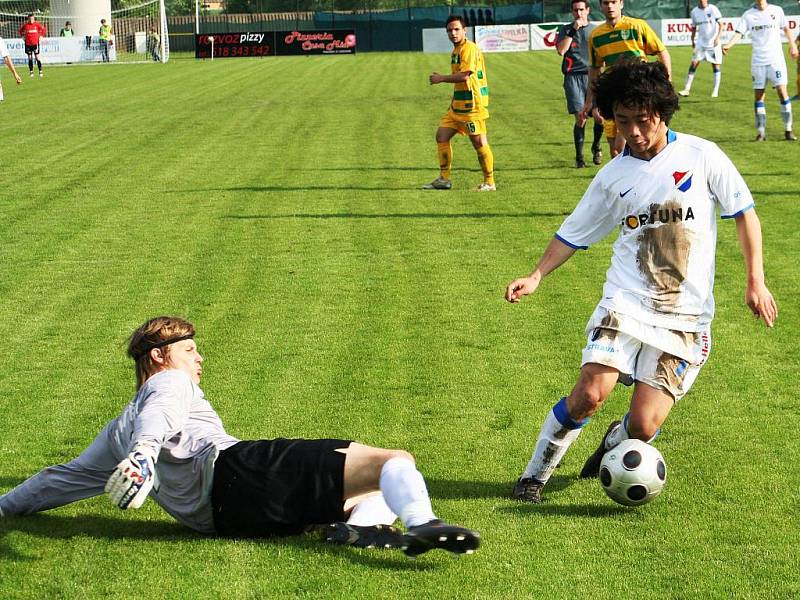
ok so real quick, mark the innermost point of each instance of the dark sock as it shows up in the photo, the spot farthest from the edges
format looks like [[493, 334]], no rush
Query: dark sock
[[30, 64], [597, 132], [577, 136]]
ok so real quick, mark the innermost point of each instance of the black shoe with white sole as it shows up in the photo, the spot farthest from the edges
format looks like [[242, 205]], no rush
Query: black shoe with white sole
[[438, 534], [591, 468]]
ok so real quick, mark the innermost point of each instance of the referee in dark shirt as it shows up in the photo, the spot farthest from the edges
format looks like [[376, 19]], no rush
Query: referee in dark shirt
[[572, 43]]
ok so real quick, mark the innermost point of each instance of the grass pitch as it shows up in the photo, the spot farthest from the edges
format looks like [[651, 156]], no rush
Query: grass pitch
[[275, 202]]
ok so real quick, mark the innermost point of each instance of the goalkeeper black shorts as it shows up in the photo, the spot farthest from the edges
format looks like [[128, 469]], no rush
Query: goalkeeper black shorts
[[278, 487]]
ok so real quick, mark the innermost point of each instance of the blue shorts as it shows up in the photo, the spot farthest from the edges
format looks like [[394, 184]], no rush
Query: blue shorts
[[575, 85]]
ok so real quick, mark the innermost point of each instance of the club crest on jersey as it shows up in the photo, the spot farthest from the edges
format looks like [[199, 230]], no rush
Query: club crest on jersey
[[683, 180]]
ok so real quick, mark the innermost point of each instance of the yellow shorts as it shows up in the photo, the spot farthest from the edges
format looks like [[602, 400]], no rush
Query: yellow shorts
[[610, 128], [476, 127]]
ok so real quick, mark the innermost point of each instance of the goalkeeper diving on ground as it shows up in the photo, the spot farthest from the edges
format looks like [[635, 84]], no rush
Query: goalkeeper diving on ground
[[169, 444]]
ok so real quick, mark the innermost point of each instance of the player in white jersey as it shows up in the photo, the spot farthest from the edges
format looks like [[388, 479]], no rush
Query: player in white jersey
[[170, 444], [706, 29], [652, 326], [765, 22], [7, 59]]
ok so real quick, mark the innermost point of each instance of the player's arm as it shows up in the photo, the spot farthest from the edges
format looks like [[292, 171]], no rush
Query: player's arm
[[555, 255], [694, 33], [792, 44], [594, 73], [10, 65], [737, 35], [565, 41], [653, 46], [460, 77], [757, 297], [162, 416], [665, 59], [719, 33]]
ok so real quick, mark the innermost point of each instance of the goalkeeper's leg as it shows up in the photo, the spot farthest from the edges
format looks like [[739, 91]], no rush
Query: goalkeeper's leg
[[84, 477], [395, 473]]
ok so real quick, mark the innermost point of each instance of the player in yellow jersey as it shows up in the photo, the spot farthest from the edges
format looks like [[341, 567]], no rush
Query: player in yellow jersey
[[468, 110], [797, 41], [619, 36]]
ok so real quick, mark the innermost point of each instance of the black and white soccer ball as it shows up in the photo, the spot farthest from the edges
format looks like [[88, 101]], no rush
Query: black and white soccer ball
[[633, 473]]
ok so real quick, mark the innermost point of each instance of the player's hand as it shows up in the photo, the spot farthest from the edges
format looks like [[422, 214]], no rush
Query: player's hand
[[725, 49], [435, 78], [519, 288], [17, 78], [760, 301], [131, 481], [793, 52]]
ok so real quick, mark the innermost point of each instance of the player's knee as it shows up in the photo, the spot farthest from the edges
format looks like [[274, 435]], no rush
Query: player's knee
[[587, 401], [399, 454], [642, 427]]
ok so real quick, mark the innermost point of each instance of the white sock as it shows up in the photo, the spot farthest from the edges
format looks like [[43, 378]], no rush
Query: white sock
[[553, 442], [717, 79], [786, 114], [617, 435], [620, 434], [372, 510], [1, 93], [405, 492], [689, 79], [761, 117]]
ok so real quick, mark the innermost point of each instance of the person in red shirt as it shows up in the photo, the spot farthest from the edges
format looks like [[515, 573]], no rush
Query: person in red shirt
[[31, 32]]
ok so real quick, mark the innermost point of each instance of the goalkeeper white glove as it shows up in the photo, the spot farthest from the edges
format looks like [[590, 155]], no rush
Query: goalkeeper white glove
[[132, 480]]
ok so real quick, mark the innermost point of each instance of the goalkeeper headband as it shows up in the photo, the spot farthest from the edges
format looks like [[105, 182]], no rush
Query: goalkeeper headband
[[163, 343]]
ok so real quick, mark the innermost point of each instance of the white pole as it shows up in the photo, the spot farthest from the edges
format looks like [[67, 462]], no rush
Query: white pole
[[212, 47], [197, 16], [164, 41]]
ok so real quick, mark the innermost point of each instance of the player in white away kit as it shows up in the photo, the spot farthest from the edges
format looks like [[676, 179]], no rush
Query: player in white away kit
[[765, 22], [7, 59], [706, 29], [652, 326], [170, 444]]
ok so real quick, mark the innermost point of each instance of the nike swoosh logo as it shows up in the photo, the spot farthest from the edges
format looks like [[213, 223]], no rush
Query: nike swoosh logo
[[625, 193]]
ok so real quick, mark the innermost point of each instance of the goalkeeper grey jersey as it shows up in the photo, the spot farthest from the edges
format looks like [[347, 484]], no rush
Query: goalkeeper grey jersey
[[171, 416]]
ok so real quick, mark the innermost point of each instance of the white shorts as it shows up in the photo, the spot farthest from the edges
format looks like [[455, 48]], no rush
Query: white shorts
[[708, 54], [662, 358], [775, 73]]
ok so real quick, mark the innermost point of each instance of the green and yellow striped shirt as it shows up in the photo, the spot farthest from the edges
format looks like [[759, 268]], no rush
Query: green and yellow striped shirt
[[470, 98], [629, 37]]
